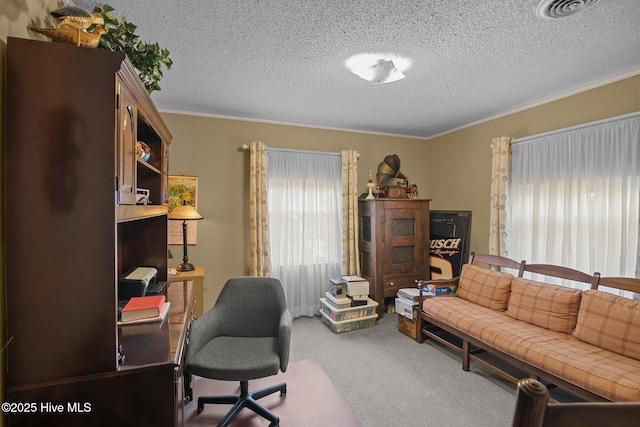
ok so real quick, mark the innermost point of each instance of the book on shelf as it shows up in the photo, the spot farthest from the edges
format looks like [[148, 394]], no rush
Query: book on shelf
[[138, 308]]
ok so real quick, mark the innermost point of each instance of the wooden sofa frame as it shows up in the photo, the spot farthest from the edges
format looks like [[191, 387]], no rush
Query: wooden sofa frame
[[471, 348], [533, 409]]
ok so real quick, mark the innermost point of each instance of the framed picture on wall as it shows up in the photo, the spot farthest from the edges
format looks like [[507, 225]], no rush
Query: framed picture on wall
[[183, 188]]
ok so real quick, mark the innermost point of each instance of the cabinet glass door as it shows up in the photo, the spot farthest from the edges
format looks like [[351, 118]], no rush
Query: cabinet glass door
[[126, 178]]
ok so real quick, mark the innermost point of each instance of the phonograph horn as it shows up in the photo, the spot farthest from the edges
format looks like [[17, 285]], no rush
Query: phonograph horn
[[389, 169]]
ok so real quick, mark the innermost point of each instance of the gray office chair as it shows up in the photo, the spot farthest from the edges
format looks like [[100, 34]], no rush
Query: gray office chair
[[245, 336]]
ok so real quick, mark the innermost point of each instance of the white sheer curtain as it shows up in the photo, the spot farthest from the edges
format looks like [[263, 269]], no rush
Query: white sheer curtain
[[574, 198], [305, 220]]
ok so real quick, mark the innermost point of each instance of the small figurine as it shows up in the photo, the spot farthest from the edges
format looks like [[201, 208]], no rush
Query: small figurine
[[73, 36], [412, 191], [74, 17], [71, 25]]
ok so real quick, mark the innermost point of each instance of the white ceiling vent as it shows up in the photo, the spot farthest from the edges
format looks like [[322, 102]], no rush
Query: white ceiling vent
[[563, 8]]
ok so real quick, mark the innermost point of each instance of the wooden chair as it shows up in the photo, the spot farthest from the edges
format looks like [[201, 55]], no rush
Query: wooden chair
[[533, 409]]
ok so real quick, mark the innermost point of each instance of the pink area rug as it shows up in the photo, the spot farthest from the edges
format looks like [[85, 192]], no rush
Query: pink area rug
[[311, 400]]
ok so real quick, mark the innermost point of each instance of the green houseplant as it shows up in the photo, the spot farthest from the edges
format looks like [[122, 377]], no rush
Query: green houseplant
[[147, 58]]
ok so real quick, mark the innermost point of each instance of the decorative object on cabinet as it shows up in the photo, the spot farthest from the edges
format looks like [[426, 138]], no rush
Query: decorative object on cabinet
[[390, 181], [370, 185], [182, 188], [75, 17], [143, 151], [185, 212], [147, 58], [394, 246], [73, 36]]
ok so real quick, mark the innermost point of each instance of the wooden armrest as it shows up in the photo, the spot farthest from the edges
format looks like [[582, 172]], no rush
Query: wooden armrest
[[422, 283]]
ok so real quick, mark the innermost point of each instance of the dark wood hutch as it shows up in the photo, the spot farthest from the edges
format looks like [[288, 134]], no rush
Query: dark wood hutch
[[73, 116], [394, 245]]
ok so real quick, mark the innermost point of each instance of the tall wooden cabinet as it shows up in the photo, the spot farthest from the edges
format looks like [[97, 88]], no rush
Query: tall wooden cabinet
[[394, 245], [73, 116]]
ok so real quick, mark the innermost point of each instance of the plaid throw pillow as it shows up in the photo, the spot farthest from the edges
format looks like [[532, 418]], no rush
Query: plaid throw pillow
[[485, 287], [542, 304], [610, 322]]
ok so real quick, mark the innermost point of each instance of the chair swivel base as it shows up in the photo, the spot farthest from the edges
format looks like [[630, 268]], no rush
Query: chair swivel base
[[245, 399]]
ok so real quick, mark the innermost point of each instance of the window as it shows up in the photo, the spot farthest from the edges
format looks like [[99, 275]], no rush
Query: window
[[574, 198], [305, 223]]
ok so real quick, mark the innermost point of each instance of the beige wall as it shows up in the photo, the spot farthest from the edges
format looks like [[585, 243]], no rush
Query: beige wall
[[210, 148], [459, 163], [453, 170]]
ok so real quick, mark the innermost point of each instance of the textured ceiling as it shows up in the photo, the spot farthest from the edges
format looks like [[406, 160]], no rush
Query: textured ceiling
[[283, 60]]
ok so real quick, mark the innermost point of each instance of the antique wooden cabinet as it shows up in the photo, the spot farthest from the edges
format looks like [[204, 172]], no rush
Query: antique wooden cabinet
[[73, 117], [394, 245]]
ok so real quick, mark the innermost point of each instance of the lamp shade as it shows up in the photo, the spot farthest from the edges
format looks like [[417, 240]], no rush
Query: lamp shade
[[184, 212]]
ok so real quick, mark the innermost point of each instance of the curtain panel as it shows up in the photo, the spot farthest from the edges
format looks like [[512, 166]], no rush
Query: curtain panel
[[258, 223], [574, 198], [351, 253], [305, 224], [500, 166]]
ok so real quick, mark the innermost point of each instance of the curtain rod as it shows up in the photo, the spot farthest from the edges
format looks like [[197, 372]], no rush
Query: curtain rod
[[576, 127], [293, 150]]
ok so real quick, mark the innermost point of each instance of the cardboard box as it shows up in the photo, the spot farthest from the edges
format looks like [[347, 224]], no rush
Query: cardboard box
[[409, 327], [404, 308]]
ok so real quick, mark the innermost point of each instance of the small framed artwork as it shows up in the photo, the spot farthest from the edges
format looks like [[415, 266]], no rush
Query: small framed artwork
[[183, 188]]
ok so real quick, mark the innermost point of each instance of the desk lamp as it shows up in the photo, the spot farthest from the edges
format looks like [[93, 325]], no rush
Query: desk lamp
[[185, 213]]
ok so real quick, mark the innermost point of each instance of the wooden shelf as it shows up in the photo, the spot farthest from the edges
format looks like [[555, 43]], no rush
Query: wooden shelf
[[127, 213]]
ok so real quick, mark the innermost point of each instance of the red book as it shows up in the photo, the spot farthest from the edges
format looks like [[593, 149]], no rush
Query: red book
[[142, 308]]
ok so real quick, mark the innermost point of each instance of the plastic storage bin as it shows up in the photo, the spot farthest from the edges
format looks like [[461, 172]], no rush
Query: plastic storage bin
[[349, 325], [339, 314]]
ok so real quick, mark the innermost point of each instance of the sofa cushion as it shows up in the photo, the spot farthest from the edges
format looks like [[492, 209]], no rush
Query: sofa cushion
[[610, 375], [488, 288], [609, 321], [549, 306]]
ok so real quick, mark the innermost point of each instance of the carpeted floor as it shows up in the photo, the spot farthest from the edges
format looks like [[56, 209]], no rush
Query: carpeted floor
[[310, 398]]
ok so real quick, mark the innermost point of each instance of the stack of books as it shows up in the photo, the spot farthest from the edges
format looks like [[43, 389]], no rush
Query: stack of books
[[406, 299], [348, 291], [346, 306]]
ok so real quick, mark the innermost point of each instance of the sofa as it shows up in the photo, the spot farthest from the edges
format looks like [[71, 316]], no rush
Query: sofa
[[585, 341]]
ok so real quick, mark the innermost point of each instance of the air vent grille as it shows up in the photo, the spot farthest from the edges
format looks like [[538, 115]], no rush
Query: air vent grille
[[563, 8]]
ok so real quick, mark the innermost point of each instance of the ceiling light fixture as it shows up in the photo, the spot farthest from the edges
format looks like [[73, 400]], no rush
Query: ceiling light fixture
[[378, 67]]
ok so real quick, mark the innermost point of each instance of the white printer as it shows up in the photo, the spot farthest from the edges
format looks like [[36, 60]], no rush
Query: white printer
[[135, 282]]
